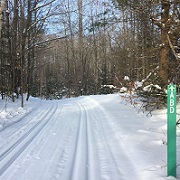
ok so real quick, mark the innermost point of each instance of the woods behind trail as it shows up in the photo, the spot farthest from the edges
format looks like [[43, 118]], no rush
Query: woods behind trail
[[51, 48]]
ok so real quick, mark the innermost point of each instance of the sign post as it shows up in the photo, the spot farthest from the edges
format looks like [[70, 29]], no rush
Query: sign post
[[171, 130]]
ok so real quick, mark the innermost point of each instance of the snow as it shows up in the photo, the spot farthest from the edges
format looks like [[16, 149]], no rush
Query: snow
[[123, 89], [126, 78], [100, 137], [109, 86], [138, 84], [149, 88], [178, 54]]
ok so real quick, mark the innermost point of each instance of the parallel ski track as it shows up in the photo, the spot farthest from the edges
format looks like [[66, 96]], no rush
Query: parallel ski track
[[79, 170], [92, 168], [7, 157], [27, 113], [10, 135]]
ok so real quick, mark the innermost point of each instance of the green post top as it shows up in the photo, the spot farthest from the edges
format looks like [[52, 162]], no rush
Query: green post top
[[171, 88], [171, 130]]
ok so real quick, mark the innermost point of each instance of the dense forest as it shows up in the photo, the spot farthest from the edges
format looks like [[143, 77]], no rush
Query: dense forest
[[51, 48]]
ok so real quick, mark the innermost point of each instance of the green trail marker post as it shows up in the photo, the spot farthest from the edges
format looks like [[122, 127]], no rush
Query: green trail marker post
[[171, 130]]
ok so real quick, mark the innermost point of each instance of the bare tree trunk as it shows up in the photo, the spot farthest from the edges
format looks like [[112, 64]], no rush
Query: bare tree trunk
[[14, 49], [80, 47], [164, 52], [29, 52], [2, 6], [22, 50], [80, 22], [74, 58], [68, 68]]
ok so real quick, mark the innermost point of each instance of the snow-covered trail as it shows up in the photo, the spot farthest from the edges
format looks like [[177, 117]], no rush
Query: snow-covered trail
[[76, 139]]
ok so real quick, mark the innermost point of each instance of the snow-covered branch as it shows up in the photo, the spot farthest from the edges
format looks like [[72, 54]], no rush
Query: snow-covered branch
[[140, 83]]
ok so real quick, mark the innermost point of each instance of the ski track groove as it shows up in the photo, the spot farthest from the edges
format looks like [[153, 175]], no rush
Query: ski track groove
[[78, 150], [39, 145], [27, 136], [28, 113], [93, 170], [17, 132]]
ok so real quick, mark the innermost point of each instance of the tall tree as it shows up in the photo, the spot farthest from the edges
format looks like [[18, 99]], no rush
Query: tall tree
[[2, 6], [15, 51], [164, 52], [169, 26]]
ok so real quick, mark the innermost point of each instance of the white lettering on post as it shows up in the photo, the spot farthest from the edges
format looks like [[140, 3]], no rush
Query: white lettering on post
[[171, 109], [171, 95], [171, 102]]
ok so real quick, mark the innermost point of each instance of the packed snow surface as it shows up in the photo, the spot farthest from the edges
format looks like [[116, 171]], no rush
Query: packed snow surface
[[100, 137]]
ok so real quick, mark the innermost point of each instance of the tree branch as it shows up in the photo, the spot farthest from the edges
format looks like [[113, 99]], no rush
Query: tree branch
[[173, 50]]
